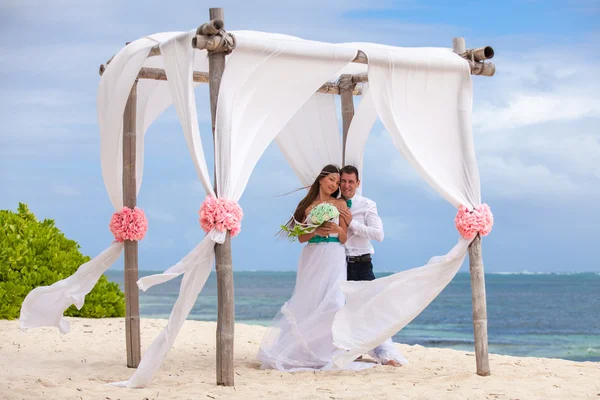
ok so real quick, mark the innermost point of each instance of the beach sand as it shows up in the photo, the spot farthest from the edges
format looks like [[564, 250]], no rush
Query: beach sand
[[42, 363]]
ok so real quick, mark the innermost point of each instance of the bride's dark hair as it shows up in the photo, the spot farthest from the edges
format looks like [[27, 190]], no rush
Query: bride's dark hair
[[312, 194]]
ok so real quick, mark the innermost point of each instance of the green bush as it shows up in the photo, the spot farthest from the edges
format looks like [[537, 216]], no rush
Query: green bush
[[34, 253]]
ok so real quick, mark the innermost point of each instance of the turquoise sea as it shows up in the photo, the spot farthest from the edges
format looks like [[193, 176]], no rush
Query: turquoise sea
[[541, 315]]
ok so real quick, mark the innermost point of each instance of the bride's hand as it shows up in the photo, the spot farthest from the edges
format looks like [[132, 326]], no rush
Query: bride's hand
[[323, 230], [334, 228]]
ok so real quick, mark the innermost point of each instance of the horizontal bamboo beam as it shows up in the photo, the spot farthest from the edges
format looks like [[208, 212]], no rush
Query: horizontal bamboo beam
[[360, 78], [159, 74], [481, 68], [480, 54], [216, 43], [200, 42], [473, 56], [477, 68], [202, 77], [210, 28]]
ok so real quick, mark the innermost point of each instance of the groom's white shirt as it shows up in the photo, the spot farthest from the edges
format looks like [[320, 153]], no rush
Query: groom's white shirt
[[366, 225]]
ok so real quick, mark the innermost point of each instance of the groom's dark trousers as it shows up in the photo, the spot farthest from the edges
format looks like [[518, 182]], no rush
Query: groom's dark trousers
[[360, 268]]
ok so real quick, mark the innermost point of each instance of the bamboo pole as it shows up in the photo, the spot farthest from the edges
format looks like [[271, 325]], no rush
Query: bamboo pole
[[202, 77], [226, 310], [479, 307], [346, 86], [459, 45], [473, 56], [480, 54], [132, 304], [477, 282]]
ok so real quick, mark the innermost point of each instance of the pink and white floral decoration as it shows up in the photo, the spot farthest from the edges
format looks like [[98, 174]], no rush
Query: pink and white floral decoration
[[470, 223], [222, 215], [129, 224]]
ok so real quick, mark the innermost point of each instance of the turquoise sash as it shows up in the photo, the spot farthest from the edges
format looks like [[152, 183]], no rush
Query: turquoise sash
[[323, 239]]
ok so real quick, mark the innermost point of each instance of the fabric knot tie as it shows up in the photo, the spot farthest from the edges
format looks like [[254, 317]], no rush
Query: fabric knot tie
[[222, 215], [129, 224], [470, 223], [349, 203]]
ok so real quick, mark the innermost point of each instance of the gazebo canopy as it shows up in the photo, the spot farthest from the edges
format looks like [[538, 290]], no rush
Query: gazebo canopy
[[279, 87]]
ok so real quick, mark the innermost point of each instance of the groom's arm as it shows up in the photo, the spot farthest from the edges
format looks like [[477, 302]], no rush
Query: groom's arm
[[372, 229]]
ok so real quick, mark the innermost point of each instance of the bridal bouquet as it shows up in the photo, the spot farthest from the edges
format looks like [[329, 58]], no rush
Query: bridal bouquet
[[319, 214]]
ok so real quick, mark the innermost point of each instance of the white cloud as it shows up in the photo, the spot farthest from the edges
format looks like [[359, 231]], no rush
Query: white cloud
[[66, 190], [538, 85], [522, 109], [536, 124], [576, 154], [511, 178]]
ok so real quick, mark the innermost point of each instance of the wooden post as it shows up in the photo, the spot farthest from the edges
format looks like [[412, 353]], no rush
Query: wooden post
[[479, 307], [226, 310], [132, 304], [346, 88], [477, 281]]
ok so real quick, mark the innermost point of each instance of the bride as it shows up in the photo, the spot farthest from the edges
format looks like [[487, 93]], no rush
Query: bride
[[300, 337]]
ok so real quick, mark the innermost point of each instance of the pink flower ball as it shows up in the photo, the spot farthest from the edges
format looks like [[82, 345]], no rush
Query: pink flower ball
[[470, 223], [129, 224], [222, 215]]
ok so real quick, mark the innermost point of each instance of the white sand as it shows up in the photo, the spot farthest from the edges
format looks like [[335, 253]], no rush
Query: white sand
[[44, 364]]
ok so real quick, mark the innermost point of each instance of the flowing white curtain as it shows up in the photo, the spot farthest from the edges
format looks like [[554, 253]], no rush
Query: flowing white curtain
[[271, 79], [45, 305], [178, 58], [252, 110], [311, 139], [424, 99]]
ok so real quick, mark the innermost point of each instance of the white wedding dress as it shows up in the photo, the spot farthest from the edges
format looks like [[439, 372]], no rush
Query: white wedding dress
[[300, 337]]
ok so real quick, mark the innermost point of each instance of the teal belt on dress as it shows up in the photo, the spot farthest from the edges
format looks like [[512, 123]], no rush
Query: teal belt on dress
[[324, 239]]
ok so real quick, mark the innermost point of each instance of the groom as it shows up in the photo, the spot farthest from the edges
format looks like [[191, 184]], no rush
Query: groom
[[364, 225]]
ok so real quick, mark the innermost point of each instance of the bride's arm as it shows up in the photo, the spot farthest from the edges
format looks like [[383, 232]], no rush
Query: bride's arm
[[306, 237], [341, 230], [321, 231]]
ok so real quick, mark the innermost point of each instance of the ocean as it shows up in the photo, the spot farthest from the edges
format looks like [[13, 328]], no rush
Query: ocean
[[539, 315]]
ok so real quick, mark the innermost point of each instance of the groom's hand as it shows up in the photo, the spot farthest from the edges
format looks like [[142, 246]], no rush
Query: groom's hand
[[346, 214]]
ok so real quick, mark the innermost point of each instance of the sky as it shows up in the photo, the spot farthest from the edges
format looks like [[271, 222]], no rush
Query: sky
[[536, 127]]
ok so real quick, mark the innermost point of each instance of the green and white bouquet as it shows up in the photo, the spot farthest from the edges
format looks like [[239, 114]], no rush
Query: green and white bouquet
[[319, 214]]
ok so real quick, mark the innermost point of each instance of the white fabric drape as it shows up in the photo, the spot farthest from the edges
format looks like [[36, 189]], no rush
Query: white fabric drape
[[252, 110], [45, 305], [178, 57], [358, 133], [424, 99], [271, 79], [311, 139]]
